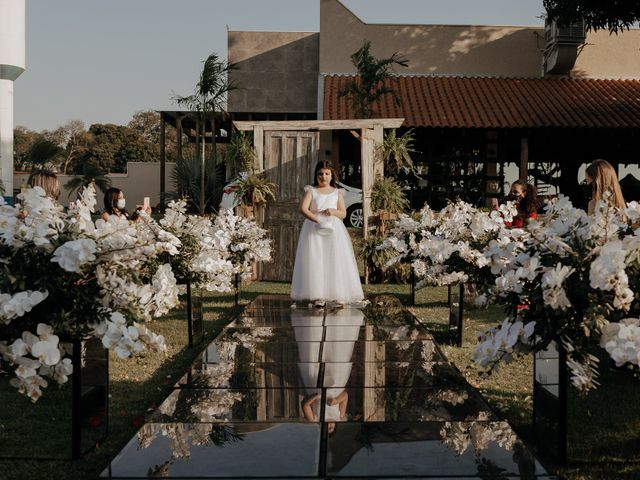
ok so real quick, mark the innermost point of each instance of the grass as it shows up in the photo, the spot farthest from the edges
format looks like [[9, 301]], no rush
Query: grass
[[606, 424]]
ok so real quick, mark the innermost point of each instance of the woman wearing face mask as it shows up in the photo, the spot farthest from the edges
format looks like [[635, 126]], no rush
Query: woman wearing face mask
[[525, 196], [114, 204]]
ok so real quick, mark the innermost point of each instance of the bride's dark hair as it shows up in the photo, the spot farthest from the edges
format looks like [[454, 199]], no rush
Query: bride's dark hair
[[329, 166]]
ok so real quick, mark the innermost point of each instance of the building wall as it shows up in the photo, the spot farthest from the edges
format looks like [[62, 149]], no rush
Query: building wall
[[141, 180], [430, 49], [277, 71], [468, 49], [607, 55]]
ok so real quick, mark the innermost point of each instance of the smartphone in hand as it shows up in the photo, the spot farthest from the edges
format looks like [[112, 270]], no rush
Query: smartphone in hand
[[146, 204]]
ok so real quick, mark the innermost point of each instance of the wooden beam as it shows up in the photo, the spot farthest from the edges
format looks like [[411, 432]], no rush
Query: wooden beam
[[355, 134], [179, 134], [258, 144], [367, 153], [271, 125], [163, 160], [378, 161], [524, 159]]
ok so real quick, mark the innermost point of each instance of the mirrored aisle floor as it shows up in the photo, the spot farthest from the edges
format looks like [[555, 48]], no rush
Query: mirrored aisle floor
[[324, 393]]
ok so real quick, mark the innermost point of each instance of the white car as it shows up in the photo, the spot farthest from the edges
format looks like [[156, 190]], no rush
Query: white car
[[352, 201]]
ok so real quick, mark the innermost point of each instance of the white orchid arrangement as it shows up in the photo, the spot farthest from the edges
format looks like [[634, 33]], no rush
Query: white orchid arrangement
[[64, 277], [202, 258], [241, 241], [447, 247], [572, 282]]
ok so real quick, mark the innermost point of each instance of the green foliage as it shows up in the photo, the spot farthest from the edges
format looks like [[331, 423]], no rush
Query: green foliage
[[376, 259], [44, 154], [211, 89], [2, 190], [23, 140], [112, 146], [597, 14], [187, 179], [90, 174], [255, 190], [240, 154], [369, 87], [387, 195], [396, 152]]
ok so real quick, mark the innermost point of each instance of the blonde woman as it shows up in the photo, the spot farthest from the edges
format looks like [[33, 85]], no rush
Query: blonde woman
[[603, 178], [48, 181]]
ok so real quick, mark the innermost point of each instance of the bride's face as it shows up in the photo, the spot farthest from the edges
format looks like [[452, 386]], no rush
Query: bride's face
[[324, 177]]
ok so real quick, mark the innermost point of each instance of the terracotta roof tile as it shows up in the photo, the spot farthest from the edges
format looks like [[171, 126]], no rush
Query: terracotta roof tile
[[487, 102]]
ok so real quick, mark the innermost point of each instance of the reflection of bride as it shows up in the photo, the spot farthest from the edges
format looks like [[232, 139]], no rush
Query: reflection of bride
[[335, 349]]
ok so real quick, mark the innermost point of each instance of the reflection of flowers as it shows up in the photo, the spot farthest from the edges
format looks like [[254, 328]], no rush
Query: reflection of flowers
[[453, 397], [250, 339], [183, 435], [459, 435], [215, 405]]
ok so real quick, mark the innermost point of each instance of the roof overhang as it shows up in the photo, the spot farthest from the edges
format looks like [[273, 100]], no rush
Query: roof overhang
[[351, 124], [497, 103]]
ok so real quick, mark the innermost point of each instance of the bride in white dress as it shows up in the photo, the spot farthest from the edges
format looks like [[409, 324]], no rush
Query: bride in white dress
[[325, 267]]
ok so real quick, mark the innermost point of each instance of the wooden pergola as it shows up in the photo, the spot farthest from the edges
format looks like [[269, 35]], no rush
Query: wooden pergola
[[370, 132]]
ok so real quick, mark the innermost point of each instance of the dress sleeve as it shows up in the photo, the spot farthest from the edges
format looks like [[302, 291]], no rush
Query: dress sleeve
[[308, 188]]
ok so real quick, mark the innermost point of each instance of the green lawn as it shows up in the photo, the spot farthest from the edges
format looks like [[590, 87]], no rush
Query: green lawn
[[138, 385]]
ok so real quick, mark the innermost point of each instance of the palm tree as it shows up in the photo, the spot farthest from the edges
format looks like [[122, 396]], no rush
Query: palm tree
[[90, 174], [369, 87], [187, 178], [208, 97]]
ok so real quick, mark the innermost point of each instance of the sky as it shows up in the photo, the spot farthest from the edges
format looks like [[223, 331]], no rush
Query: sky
[[100, 61]]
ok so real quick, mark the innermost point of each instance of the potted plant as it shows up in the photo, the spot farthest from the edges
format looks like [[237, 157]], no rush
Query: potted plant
[[254, 191], [240, 155], [396, 152], [388, 200]]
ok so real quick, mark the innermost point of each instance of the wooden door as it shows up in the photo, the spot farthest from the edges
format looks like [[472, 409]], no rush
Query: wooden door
[[289, 162]]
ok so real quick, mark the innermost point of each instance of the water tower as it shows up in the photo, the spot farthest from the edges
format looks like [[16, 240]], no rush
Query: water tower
[[12, 64]]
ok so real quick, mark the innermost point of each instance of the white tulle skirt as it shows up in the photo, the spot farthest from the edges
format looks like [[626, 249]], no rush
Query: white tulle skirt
[[325, 266]]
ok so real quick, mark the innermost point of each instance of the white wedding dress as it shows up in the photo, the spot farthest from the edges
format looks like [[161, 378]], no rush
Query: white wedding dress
[[325, 267]]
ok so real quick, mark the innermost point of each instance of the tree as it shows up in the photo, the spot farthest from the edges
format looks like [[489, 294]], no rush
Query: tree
[[23, 140], [90, 174], [146, 124], [597, 14], [44, 154], [369, 87], [112, 146], [73, 138], [209, 97]]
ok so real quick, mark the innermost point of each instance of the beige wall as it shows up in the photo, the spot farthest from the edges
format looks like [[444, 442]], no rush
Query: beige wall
[[277, 71], [609, 56], [141, 180], [430, 49], [468, 49]]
